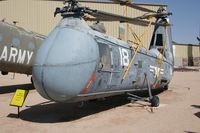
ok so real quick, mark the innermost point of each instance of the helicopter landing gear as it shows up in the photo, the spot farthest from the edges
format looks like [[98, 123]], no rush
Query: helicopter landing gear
[[154, 100], [166, 87]]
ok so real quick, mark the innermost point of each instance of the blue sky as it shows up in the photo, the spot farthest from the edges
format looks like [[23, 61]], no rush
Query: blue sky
[[185, 18]]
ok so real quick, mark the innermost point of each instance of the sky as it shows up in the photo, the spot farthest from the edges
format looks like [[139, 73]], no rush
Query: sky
[[185, 19]]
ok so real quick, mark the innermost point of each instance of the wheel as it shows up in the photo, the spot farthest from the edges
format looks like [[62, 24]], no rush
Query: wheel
[[4, 73], [81, 104], [166, 87], [155, 101]]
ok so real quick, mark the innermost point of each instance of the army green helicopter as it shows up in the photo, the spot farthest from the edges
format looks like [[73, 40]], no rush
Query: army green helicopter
[[18, 48], [76, 62]]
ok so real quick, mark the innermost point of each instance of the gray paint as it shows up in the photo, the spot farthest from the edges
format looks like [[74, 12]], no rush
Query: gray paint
[[71, 54], [65, 63]]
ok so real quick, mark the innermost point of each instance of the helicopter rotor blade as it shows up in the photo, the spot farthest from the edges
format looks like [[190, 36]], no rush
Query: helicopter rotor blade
[[105, 16], [155, 15], [132, 5], [120, 2]]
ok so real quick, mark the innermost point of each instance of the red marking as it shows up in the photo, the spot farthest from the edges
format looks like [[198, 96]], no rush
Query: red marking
[[93, 77]]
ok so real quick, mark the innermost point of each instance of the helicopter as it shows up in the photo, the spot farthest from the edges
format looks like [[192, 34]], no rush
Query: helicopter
[[76, 62], [18, 48]]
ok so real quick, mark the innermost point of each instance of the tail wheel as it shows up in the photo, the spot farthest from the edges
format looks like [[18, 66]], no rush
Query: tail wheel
[[155, 101]]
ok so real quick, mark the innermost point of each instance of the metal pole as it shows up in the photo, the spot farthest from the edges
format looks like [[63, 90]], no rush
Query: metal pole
[[18, 112], [148, 86]]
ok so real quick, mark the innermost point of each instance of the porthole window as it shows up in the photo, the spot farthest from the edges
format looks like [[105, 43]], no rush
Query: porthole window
[[16, 41], [31, 46]]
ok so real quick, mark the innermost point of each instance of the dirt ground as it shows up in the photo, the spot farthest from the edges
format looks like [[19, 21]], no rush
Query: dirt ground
[[179, 111]]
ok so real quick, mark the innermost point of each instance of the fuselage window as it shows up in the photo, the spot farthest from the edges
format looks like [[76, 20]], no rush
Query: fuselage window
[[15, 41], [159, 40], [31, 45], [105, 58]]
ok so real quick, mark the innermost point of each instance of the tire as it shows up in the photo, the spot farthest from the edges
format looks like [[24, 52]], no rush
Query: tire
[[4, 73], [166, 87], [155, 102]]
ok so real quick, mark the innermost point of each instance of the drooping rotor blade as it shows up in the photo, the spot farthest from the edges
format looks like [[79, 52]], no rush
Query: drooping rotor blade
[[132, 5], [120, 2], [104, 16], [155, 15]]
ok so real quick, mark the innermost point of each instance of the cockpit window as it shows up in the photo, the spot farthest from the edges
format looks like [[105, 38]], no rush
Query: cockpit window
[[159, 40]]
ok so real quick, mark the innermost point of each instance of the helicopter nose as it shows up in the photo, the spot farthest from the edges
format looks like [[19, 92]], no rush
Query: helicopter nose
[[64, 64]]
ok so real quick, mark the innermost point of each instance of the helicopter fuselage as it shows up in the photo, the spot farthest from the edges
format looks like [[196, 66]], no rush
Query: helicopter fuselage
[[76, 63], [18, 48]]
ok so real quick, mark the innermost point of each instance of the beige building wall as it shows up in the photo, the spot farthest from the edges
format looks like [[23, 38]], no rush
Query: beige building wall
[[187, 55], [187, 51], [37, 16], [34, 15]]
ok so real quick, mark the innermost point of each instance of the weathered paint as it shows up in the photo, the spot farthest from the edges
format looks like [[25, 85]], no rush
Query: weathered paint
[[15, 55], [87, 51], [18, 48]]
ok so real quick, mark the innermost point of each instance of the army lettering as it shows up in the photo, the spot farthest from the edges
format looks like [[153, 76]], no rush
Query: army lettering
[[16, 55]]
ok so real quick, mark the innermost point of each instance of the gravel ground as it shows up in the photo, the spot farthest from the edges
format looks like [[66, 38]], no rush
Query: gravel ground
[[179, 111]]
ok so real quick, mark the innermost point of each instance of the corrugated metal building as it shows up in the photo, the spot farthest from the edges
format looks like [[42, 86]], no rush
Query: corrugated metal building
[[37, 16], [186, 54]]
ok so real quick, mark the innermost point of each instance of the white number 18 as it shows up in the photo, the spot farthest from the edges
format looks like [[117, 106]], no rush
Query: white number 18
[[124, 56]]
